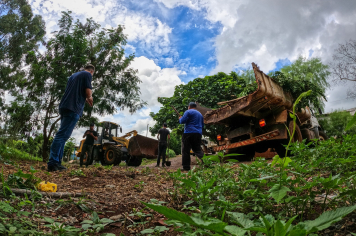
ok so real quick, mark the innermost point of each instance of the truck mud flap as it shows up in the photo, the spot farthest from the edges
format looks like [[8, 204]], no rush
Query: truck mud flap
[[251, 141]]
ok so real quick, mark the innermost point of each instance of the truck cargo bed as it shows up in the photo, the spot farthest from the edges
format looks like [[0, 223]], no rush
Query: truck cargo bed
[[268, 97]]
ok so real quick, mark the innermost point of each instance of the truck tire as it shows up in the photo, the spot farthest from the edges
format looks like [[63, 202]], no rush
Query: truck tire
[[112, 156], [134, 161], [248, 154], [322, 136], [279, 147]]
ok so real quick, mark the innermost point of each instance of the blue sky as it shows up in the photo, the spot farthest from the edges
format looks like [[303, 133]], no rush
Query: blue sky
[[176, 41]]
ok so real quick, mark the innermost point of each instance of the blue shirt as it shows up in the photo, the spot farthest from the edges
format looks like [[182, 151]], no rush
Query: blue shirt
[[193, 120], [74, 97]]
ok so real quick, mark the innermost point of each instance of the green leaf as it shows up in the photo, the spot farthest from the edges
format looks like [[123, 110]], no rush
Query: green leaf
[[351, 123], [2, 228], [189, 183], [234, 230], [279, 229], [278, 192], [86, 226], [87, 222], [147, 231], [49, 220], [240, 219], [327, 218], [209, 224]]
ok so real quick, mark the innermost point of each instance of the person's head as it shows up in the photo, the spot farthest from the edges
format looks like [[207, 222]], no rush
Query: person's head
[[192, 105], [164, 125], [90, 68], [91, 126]]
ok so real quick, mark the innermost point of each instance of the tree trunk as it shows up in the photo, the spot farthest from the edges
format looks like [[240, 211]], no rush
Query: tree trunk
[[45, 149]]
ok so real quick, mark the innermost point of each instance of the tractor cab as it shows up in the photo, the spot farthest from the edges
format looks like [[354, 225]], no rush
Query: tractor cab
[[106, 131]]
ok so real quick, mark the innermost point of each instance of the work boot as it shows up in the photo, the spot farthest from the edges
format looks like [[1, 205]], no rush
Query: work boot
[[163, 165], [52, 168], [61, 168]]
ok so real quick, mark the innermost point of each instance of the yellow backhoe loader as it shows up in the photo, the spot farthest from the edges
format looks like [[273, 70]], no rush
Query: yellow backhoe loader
[[110, 149]]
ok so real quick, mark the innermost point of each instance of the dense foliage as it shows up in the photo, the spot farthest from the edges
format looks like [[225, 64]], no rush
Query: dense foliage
[[208, 91], [303, 75], [20, 32], [313, 189], [335, 123], [37, 96]]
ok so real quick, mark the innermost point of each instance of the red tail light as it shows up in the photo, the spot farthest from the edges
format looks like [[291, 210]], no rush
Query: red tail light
[[262, 123], [219, 137]]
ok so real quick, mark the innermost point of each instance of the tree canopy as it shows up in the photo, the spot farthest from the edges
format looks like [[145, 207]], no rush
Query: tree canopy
[[115, 84], [304, 75], [20, 32], [336, 122], [208, 91]]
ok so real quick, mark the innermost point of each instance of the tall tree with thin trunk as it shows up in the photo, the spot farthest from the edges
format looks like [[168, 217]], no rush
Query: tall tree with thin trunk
[[344, 66], [115, 84]]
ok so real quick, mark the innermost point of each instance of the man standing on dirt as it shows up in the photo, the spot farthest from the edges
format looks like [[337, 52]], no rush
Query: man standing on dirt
[[91, 135], [162, 135], [193, 130], [78, 91]]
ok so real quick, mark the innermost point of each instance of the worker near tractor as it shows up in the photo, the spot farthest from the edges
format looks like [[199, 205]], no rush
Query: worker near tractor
[[90, 135], [78, 91], [162, 136], [193, 129]]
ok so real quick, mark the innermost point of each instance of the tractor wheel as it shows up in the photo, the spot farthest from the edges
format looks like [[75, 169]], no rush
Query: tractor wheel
[[112, 156], [322, 136], [134, 161], [280, 149]]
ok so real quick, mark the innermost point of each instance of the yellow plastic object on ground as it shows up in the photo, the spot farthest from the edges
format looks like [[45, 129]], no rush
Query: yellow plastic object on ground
[[49, 187]]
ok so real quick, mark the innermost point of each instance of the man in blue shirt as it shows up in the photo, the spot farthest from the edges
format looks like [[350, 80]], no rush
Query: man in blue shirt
[[78, 91], [193, 130]]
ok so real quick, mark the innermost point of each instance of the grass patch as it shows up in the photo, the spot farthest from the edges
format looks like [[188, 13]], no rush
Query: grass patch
[[7, 152]]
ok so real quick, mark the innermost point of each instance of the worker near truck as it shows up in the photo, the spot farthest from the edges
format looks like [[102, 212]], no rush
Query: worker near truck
[[193, 129], [162, 136], [78, 91], [87, 148]]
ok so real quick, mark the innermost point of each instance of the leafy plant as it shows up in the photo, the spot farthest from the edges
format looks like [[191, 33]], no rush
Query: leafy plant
[[77, 173]]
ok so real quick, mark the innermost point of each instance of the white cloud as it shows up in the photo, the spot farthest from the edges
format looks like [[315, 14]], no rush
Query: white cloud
[[148, 31], [156, 82]]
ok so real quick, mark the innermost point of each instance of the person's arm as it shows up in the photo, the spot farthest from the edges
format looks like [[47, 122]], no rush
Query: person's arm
[[85, 134], [184, 118], [89, 98], [95, 137], [169, 136]]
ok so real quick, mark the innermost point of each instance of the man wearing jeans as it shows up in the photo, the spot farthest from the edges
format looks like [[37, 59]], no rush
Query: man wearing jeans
[[78, 91], [193, 130], [90, 135]]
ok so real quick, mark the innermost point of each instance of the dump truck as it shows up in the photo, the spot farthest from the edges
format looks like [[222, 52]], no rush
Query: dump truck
[[261, 120], [110, 149]]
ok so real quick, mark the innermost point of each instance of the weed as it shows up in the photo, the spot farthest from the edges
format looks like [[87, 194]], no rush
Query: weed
[[77, 173]]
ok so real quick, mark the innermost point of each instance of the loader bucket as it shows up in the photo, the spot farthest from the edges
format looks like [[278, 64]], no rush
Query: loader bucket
[[141, 146]]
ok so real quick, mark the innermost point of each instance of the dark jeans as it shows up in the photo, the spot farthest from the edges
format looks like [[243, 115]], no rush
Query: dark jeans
[[68, 121], [162, 148], [191, 141], [86, 150]]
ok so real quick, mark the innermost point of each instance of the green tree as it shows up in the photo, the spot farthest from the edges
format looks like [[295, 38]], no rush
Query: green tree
[[20, 32], [68, 148], [115, 84], [304, 75], [336, 122], [175, 142], [208, 91]]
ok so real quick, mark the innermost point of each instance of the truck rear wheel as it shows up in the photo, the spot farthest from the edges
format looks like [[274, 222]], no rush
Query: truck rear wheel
[[134, 161], [280, 149], [112, 156]]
